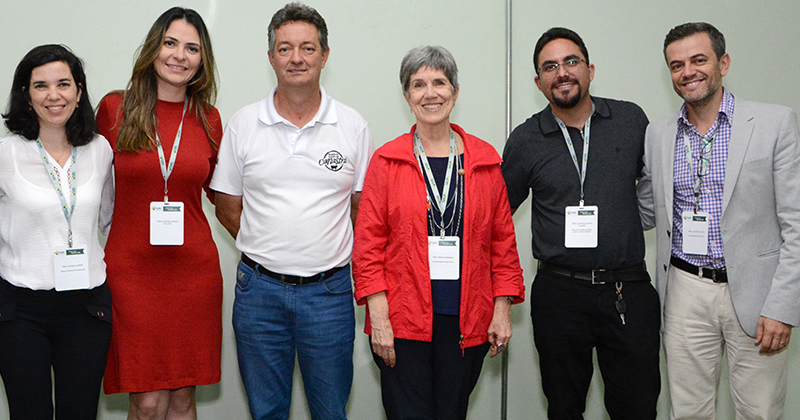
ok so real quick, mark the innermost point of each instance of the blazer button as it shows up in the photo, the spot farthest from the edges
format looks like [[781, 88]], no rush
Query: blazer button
[[668, 233], [100, 314], [665, 267]]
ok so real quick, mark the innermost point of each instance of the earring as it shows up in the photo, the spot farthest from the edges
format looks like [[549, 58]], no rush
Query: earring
[[78, 105]]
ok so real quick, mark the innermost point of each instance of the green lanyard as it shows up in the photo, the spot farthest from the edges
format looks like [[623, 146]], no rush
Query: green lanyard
[[440, 201], [568, 140], [708, 143], [167, 170], [67, 208]]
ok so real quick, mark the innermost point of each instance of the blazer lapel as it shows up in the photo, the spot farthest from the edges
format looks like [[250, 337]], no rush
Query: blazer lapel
[[741, 133], [668, 163]]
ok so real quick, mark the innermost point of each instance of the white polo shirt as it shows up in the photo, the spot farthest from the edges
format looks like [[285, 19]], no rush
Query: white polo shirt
[[295, 183]]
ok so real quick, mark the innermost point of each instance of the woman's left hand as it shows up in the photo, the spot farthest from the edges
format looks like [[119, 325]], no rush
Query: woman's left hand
[[500, 328]]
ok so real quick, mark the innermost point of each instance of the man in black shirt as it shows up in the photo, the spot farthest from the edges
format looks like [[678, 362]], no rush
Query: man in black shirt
[[592, 290]]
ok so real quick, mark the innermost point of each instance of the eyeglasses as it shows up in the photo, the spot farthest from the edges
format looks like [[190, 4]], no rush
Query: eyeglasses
[[705, 153], [551, 68]]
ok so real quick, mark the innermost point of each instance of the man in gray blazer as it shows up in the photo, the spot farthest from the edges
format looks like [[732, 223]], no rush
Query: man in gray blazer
[[722, 183]]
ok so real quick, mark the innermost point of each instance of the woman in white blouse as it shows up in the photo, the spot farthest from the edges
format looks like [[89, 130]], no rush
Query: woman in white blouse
[[56, 195]]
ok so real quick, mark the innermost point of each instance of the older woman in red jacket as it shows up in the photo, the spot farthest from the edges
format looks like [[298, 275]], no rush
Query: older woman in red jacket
[[435, 256]]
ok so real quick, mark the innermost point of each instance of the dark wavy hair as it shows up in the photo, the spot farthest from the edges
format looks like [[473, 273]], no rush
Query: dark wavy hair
[[20, 119]]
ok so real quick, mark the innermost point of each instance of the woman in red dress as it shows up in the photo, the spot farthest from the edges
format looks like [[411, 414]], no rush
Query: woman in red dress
[[163, 266]]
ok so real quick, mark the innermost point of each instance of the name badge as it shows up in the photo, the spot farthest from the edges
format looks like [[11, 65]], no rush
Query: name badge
[[443, 257], [580, 227], [71, 269], [695, 232], [166, 223]]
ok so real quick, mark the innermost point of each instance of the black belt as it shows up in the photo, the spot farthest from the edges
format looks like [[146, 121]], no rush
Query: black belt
[[715, 274], [600, 276], [288, 278]]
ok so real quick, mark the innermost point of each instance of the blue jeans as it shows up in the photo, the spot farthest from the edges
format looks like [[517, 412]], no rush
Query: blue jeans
[[272, 320]]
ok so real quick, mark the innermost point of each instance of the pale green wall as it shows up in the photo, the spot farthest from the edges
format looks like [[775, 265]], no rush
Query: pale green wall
[[368, 40]]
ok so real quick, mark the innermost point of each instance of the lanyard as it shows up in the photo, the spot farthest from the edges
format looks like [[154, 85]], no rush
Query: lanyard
[[68, 209], [585, 134], [440, 201], [708, 143], [167, 170]]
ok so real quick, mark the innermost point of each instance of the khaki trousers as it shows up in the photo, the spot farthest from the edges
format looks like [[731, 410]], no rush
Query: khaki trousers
[[700, 326]]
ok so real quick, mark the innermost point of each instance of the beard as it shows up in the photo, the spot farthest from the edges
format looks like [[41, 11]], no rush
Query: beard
[[566, 101], [702, 98]]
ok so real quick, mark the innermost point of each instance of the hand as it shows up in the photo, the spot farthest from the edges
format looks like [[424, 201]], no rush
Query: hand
[[772, 335], [382, 338], [500, 327]]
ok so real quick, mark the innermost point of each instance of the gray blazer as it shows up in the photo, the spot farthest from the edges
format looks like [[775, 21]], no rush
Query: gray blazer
[[760, 210]]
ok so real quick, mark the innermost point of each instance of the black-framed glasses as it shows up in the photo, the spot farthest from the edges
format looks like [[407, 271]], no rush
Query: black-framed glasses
[[552, 68], [705, 156]]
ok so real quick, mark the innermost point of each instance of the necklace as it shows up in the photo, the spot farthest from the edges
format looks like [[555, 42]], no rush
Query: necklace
[[457, 199], [441, 201]]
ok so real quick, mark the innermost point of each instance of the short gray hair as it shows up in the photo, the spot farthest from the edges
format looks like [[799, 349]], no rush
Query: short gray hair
[[435, 57], [298, 12]]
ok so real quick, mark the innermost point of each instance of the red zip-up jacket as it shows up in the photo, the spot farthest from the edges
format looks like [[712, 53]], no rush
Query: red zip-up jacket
[[391, 241]]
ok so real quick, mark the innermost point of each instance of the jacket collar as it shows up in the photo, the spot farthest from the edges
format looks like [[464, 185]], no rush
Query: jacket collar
[[476, 152]]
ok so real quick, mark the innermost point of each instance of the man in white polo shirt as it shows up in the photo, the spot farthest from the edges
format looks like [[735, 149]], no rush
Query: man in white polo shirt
[[287, 184]]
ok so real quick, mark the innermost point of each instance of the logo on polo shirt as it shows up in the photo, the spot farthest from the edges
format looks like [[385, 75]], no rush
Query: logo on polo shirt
[[333, 160]]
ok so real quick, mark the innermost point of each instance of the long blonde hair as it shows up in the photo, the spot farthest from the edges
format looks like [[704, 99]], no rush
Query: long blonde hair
[[138, 127]]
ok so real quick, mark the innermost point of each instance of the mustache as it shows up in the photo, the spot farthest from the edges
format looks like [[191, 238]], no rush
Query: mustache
[[692, 79], [565, 79]]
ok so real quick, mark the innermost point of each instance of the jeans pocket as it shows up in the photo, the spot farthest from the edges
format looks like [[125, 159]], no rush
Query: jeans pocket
[[244, 275], [339, 283]]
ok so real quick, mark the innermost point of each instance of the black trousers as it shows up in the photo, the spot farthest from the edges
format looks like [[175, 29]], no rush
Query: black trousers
[[431, 381], [68, 332], [571, 318]]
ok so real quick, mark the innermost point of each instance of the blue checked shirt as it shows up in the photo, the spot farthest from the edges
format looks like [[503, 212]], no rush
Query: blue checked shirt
[[711, 190]]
